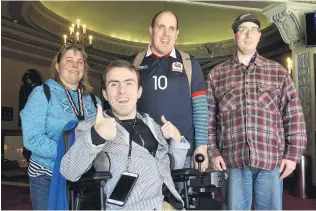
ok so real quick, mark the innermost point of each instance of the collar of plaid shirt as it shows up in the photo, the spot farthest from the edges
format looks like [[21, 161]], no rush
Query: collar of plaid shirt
[[255, 59]]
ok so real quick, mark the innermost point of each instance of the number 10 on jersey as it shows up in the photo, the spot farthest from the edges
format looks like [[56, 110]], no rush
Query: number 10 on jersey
[[161, 82]]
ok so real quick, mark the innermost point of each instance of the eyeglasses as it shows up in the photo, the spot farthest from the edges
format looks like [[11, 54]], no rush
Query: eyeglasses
[[251, 30]]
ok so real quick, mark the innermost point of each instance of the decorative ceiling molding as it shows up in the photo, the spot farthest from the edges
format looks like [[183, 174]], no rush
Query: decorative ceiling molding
[[26, 39], [43, 19], [289, 19], [221, 4], [27, 35], [36, 56], [5, 9], [47, 29]]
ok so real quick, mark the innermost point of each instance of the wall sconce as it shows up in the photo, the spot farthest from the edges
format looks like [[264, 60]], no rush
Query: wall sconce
[[289, 64]]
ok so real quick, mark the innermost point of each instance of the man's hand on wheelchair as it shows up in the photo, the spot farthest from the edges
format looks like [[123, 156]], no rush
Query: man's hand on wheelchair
[[219, 164], [203, 150], [105, 127]]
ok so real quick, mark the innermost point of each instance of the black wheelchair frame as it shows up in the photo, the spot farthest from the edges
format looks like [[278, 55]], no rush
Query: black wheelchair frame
[[92, 185], [203, 189]]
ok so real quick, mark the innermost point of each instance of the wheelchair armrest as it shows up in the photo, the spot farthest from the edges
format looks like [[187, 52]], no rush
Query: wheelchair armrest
[[90, 178], [186, 172], [95, 176]]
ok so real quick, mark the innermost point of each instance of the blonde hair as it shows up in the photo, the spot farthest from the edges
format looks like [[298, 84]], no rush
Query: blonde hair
[[84, 82]]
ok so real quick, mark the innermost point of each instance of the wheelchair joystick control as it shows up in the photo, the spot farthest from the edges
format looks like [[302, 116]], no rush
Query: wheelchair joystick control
[[199, 158]]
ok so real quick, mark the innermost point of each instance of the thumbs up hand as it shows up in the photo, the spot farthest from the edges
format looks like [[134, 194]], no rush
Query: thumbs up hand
[[105, 126], [169, 130]]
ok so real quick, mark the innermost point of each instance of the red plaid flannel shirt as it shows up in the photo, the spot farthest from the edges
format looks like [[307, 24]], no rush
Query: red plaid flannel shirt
[[255, 115]]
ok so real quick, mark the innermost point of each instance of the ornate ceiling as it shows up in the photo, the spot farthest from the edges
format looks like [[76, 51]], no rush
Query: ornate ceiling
[[120, 29], [200, 22]]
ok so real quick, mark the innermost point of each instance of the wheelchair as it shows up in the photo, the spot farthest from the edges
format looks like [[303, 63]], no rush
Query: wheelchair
[[200, 188], [199, 193]]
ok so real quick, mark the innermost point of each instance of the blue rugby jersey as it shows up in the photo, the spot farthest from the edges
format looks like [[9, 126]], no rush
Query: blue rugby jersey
[[166, 92]]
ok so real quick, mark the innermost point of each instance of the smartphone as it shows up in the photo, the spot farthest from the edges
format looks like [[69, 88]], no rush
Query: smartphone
[[123, 188]]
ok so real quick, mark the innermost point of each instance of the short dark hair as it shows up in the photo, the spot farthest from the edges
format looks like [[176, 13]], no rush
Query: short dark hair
[[120, 63], [153, 20]]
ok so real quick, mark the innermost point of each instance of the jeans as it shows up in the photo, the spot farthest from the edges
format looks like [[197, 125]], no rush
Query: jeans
[[39, 189], [247, 185]]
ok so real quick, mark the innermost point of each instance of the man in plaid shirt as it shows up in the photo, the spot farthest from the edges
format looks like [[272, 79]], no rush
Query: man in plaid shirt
[[256, 126]]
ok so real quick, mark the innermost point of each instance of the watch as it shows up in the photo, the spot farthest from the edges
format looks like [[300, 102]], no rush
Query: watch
[[183, 140]]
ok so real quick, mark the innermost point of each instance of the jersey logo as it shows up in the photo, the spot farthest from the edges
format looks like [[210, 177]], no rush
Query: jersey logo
[[143, 67], [177, 67]]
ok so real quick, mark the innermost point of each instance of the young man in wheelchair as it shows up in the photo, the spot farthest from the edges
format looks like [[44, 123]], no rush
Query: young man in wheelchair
[[134, 144]]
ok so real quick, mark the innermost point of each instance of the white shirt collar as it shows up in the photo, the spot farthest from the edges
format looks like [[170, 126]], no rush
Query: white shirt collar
[[172, 54]]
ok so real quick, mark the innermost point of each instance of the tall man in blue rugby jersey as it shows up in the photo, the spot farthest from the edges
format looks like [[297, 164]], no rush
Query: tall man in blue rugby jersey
[[166, 89]]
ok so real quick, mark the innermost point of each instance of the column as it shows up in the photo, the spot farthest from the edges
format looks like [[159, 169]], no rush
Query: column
[[290, 20]]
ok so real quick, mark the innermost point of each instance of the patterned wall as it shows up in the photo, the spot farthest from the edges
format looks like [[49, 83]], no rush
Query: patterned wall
[[304, 90]]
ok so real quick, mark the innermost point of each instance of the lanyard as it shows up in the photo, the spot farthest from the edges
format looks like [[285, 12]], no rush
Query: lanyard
[[79, 114], [129, 149], [130, 139]]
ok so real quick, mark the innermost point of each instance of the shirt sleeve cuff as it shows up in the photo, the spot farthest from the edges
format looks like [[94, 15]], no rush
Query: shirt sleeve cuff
[[182, 144], [292, 158], [96, 138], [200, 142]]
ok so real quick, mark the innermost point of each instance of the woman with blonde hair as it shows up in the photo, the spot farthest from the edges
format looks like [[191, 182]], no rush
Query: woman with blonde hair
[[43, 118]]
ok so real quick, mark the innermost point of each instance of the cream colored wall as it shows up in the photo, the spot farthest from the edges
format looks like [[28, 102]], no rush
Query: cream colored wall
[[11, 75]]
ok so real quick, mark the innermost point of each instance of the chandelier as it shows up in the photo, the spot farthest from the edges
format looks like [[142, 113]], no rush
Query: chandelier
[[77, 35]]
